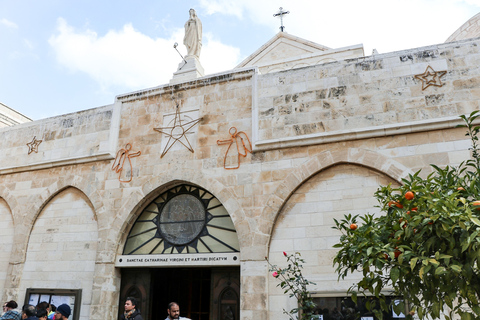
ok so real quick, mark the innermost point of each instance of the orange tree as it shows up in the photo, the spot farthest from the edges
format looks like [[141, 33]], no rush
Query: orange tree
[[425, 246]]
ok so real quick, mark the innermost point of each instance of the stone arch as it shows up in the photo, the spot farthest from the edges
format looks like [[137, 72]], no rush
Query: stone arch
[[304, 224], [132, 207], [31, 211], [7, 232], [38, 203], [65, 228], [322, 161], [76, 182], [6, 195]]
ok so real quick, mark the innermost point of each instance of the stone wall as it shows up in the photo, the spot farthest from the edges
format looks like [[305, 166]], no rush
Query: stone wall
[[367, 97], [323, 137], [74, 138]]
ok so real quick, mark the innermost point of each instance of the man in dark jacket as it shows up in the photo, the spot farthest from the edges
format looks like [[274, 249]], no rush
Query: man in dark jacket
[[131, 313]]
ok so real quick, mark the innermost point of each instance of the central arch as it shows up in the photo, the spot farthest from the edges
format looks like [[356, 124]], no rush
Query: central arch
[[182, 247]]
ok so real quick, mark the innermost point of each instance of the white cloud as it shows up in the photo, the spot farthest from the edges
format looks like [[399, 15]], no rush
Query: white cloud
[[130, 59], [216, 56], [8, 23]]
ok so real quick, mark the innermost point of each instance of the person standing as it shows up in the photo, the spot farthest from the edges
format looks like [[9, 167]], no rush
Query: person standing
[[9, 312], [174, 312], [29, 312], [42, 314], [63, 312], [131, 311]]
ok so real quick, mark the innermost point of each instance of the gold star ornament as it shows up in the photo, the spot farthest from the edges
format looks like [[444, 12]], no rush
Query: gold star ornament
[[177, 132], [430, 78], [33, 145]]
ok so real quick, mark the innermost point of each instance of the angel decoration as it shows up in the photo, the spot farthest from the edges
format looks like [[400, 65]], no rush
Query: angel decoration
[[240, 149], [118, 165]]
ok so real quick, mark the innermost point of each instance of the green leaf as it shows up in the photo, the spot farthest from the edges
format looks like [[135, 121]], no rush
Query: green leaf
[[456, 268], [440, 270], [394, 274], [354, 297], [413, 263], [475, 220], [421, 272], [434, 262], [369, 251]]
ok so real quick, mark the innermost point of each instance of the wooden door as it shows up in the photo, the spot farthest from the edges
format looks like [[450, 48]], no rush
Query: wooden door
[[136, 283], [225, 303]]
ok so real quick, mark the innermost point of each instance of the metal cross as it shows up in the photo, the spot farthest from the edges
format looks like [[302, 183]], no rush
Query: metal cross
[[280, 14]]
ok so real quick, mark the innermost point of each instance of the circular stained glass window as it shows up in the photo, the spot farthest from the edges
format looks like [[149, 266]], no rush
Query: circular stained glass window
[[184, 219]]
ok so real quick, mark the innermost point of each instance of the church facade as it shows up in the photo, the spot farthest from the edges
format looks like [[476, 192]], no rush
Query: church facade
[[179, 192]]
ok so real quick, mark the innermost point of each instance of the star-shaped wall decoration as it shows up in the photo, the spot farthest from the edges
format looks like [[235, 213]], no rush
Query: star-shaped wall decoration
[[33, 145], [177, 132], [430, 78]]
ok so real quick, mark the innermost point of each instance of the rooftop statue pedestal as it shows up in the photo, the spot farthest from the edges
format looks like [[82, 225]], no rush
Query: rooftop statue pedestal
[[188, 71]]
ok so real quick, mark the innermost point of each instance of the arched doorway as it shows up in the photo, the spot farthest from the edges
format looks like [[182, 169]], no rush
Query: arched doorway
[[183, 247]]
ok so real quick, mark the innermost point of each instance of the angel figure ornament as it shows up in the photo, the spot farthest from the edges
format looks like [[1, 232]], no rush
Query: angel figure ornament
[[119, 163], [242, 146]]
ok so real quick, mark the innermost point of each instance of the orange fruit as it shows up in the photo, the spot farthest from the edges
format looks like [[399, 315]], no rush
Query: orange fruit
[[409, 195], [353, 226], [395, 203], [460, 189]]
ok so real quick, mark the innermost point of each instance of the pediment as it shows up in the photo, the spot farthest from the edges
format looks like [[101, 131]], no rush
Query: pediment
[[281, 47]]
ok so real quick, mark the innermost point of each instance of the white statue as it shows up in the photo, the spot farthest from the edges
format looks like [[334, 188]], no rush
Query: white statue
[[193, 35]]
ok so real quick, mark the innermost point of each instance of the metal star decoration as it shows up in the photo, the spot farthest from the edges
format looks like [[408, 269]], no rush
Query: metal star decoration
[[177, 132], [33, 146], [430, 78]]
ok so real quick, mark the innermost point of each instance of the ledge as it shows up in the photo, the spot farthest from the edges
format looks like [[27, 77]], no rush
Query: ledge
[[57, 163], [357, 134]]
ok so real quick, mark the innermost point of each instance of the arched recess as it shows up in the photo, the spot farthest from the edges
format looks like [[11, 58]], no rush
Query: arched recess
[[6, 239], [304, 224], [62, 246], [326, 159], [137, 201], [25, 213], [29, 212]]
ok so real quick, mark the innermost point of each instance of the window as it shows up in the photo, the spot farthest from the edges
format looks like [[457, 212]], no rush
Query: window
[[184, 219], [57, 297], [343, 308]]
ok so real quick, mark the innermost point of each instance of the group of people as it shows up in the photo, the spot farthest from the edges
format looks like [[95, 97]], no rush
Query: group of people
[[132, 312], [43, 311], [46, 311]]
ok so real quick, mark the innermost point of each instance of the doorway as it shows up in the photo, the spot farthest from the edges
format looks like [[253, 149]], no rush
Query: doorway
[[202, 293]]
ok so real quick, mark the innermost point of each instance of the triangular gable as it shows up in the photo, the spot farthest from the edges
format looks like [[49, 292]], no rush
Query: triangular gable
[[281, 47]]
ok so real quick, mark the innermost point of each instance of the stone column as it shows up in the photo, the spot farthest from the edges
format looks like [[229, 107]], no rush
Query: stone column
[[105, 292], [253, 290]]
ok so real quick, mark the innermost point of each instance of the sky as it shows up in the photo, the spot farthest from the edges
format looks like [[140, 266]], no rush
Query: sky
[[63, 56]]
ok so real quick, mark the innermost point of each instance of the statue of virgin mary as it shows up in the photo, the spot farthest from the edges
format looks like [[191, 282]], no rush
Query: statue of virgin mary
[[193, 35]]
